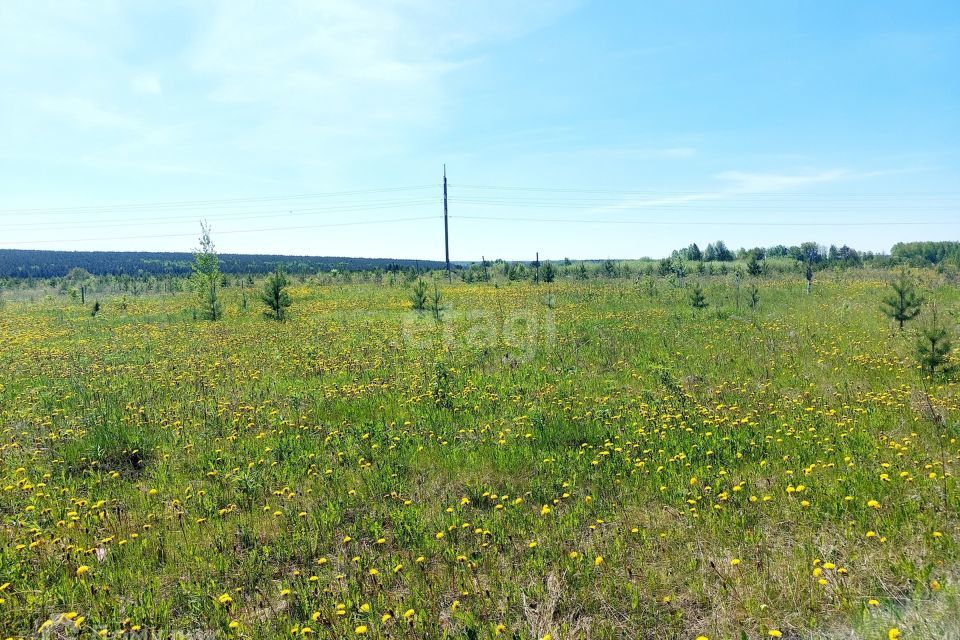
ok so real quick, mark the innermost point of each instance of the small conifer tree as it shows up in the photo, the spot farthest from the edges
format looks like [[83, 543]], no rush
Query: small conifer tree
[[275, 295], [436, 304], [934, 346], [206, 275], [903, 303], [753, 296], [418, 297], [548, 272], [697, 299]]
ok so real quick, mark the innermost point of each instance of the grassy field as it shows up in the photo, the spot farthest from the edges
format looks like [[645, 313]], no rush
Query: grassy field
[[581, 459]]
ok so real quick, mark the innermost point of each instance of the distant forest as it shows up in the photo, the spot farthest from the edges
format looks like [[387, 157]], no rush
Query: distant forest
[[18, 263], [928, 253]]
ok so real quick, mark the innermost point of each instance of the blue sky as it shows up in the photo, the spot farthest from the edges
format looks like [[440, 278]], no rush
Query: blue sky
[[580, 129]]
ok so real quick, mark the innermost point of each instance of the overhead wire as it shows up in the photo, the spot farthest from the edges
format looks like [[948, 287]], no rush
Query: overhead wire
[[235, 231], [472, 196]]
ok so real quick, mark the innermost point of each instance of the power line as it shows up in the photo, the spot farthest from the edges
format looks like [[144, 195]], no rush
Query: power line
[[235, 231], [658, 192], [475, 196], [710, 222], [213, 202], [612, 207], [240, 215]]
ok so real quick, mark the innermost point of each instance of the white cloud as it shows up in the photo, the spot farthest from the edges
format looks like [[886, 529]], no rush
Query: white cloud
[[744, 182], [365, 71], [86, 113], [301, 90], [679, 152], [146, 83], [740, 183]]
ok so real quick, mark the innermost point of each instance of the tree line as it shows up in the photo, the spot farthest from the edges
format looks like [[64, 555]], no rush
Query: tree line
[[920, 254], [808, 252], [28, 263]]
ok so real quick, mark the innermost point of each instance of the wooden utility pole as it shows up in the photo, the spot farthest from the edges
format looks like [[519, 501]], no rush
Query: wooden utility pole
[[446, 225], [536, 264]]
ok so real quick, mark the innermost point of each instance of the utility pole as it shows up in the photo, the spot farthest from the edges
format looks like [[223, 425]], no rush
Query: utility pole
[[446, 225], [536, 264]]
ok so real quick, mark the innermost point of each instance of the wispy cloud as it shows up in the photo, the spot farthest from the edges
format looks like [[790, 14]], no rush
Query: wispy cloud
[[374, 70], [742, 183], [146, 83], [301, 89], [86, 113], [678, 152], [745, 182]]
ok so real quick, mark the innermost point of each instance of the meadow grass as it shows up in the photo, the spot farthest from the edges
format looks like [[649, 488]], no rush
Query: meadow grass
[[580, 459]]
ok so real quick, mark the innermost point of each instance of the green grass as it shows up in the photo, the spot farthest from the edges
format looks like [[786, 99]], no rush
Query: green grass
[[601, 460]]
